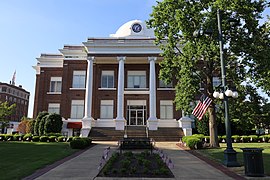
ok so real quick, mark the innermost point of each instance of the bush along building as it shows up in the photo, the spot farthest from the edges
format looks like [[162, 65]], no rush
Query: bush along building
[[109, 84]]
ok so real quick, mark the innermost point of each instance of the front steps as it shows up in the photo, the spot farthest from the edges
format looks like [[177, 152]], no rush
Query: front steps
[[110, 134]]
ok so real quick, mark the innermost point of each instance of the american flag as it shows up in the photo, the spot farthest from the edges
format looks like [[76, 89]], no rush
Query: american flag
[[202, 106]]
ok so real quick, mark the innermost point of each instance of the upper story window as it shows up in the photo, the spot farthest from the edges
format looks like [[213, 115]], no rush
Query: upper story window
[[77, 109], [56, 84], [54, 108], [136, 79], [4, 89], [78, 79], [107, 79], [162, 84]]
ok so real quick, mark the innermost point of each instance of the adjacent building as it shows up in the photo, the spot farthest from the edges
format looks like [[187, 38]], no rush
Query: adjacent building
[[107, 82]]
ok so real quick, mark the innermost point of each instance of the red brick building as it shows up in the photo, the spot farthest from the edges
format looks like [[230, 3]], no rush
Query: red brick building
[[107, 82], [15, 94]]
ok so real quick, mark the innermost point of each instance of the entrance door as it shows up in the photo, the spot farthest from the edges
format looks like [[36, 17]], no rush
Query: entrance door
[[136, 115]]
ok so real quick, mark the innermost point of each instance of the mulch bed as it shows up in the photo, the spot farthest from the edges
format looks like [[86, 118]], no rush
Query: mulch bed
[[216, 165], [129, 164]]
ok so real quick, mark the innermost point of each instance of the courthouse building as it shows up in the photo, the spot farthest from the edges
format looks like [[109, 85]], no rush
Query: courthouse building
[[107, 82]]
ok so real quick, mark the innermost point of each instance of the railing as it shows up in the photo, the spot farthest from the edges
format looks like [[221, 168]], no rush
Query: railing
[[146, 131]]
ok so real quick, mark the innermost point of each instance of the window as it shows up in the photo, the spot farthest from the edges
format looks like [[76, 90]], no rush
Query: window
[[56, 83], [54, 108], [106, 109], [163, 85], [107, 79], [216, 81], [0, 89], [79, 79], [166, 109], [4, 89], [136, 79], [77, 109]]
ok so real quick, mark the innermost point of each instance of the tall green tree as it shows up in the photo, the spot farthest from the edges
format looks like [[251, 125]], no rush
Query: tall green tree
[[5, 111], [194, 61], [38, 122]]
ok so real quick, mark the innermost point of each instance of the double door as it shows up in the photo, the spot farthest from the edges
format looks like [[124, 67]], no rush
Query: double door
[[136, 115]]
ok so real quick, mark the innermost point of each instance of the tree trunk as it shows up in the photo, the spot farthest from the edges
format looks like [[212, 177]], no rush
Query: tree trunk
[[213, 127]]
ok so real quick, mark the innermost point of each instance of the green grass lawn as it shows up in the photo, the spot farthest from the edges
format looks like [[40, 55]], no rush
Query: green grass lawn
[[20, 159], [218, 153]]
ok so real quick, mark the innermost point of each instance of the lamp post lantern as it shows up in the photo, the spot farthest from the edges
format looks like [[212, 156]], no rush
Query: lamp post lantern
[[229, 152]]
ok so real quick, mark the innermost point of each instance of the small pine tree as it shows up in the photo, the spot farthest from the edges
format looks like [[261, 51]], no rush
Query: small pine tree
[[42, 124], [38, 119]]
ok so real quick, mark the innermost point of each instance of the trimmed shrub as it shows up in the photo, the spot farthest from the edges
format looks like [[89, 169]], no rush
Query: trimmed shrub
[[17, 137], [27, 137], [207, 139], [193, 142], [9, 137], [236, 138], [253, 138], [43, 138], [264, 138], [35, 138], [223, 138], [52, 138], [200, 136], [2, 137], [76, 137], [245, 139], [61, 139], [69, 139], [53, 123], [80, 143], [184, 139]]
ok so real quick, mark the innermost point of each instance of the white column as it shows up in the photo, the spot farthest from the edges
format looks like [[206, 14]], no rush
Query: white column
[[152, 120], [87, 119], [120, 120]]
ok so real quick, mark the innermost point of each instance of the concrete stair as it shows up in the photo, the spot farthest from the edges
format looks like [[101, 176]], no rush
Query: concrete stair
[[167, 134], [110, 134], [105, 134]]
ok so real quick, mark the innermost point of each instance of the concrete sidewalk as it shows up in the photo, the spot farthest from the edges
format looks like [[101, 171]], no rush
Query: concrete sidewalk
[[84, 166]]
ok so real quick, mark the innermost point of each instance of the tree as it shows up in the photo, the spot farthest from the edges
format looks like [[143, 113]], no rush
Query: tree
[[38, 120], [194, 60], [30, 126], [53, 123], [5, 111], [22, 125], [41, 125]]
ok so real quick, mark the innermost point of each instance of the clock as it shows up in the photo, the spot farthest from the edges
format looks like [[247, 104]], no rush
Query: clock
[[136, 28]]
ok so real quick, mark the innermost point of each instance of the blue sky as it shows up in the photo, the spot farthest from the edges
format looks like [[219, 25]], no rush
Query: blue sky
[[31, 27]]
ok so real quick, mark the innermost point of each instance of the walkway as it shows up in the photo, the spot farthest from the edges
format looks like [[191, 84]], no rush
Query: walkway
[[84, 166]]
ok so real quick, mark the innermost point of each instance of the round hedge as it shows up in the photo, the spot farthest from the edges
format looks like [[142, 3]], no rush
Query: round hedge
[[53, 123]]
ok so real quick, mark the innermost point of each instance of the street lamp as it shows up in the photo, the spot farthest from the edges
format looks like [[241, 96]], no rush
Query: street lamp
[[229, 152]]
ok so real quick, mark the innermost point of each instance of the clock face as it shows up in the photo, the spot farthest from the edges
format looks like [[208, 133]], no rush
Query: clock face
[[136, 27]]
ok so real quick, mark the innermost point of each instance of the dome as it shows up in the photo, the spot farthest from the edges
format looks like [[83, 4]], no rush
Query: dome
[[134, 29]]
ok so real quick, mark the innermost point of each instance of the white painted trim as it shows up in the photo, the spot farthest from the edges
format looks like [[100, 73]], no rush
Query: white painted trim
[[54, 93], [136, 92], [107, 89], [83, 89], [166, 89]]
